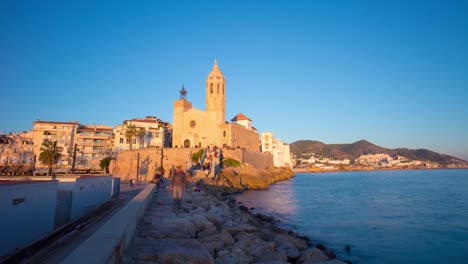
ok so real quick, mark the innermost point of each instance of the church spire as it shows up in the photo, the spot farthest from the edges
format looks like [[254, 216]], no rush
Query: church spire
[[216, 61]]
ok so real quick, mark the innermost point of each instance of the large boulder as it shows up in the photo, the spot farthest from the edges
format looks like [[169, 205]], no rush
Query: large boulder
[[313, 255], [172, 250], [235, 229], [200, 222], [210, 231], [233, 256], [254, 246], [170, 228], [289, 245], [213, 243]]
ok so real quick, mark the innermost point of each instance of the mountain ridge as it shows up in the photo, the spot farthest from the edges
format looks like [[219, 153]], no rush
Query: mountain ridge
[[352, 151]]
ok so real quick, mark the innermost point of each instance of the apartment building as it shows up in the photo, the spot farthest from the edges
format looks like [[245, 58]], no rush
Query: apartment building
[[93, 143], [150, 132], [62, 132]]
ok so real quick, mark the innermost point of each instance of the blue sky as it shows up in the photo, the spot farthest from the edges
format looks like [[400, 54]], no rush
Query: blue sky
[[392, 72]]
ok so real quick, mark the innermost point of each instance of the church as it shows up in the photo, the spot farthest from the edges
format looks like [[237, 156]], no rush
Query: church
[[193, 127]]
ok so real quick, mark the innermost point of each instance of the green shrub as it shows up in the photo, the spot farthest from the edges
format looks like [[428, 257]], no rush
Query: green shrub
[[231, 163], [197, 155]]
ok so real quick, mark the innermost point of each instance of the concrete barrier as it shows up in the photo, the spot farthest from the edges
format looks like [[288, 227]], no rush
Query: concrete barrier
[[108, 243]]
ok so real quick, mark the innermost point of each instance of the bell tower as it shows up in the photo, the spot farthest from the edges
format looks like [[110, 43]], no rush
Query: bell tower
[[216, 93]]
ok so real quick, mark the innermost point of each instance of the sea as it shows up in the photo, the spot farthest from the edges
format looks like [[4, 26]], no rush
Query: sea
[[407, 216]]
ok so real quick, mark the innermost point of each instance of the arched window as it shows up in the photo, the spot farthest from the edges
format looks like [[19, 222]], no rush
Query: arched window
[[224, 133], [217, 88], [211, 88]]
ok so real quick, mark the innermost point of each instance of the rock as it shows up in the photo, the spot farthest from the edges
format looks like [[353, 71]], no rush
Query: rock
[[240, 228], [266, 234], [294, 241], [234, 260], [200, 222], [273, 257], [331, 254], [312, 256], [216, 216], [228, 240], [171, 228], [233, 256], [254, 246], [212, 244], [289, 245], [321, 247], [210, 231], [172, 250]]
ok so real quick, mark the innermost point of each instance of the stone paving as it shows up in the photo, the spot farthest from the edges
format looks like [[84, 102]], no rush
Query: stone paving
[[168, 235]]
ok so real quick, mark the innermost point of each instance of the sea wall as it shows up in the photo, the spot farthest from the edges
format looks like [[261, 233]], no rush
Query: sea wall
[[108, 243], [148, 160]]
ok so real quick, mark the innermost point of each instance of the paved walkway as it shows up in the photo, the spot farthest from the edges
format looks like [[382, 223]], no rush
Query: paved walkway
[[168, 235]]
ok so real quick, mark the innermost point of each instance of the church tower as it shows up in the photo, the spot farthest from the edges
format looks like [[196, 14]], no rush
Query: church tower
[[216, 93]]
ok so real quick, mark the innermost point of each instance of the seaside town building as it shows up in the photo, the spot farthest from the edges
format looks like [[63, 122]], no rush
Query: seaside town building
[[155, 133], [62, 132], [93, 143], [83, 146], [276, 147], [16, 153], [197, 128]]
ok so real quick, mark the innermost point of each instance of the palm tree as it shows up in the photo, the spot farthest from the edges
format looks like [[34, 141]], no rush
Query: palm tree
[[50, 154], [141, 136], [130, 132], [104, 164]]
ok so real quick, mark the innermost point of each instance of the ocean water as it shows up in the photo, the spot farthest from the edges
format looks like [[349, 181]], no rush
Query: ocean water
[[412, 216]]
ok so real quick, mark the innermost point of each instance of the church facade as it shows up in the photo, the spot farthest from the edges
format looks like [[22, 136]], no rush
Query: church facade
[[197, 128]]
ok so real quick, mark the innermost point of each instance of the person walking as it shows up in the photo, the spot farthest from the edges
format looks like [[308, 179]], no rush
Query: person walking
[[177, 186]]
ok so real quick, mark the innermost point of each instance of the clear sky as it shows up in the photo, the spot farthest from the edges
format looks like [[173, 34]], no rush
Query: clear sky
[[391, 72]]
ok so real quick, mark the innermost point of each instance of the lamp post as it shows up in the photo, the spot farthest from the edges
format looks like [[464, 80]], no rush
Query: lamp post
[[138, 165], [73, 159]]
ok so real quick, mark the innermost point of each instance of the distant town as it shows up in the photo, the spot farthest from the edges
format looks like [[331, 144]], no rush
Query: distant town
[[382, 161]]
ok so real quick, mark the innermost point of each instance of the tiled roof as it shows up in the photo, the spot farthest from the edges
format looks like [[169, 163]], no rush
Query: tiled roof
[[240, 117]]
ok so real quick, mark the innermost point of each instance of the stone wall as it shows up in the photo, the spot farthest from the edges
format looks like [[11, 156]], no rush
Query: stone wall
[[258, 160], [125, 163]]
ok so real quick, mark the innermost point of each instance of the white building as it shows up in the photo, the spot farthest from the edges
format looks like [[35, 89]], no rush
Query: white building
[[280, 151], [27, 209], [156, 133]]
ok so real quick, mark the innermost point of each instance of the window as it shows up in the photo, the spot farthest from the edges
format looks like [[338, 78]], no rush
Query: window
[[193, 123], [156, 134], [134, 141], [150, 134], [127, 141], [211, 88], [121, 140], [224, 133], [217, 88]]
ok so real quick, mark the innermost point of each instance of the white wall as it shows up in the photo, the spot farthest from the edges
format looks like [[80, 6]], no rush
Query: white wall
[[89, 193], [29, 220]]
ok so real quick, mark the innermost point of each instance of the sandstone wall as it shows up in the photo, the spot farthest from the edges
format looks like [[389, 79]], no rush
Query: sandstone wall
[[125, 163], [257, 159]]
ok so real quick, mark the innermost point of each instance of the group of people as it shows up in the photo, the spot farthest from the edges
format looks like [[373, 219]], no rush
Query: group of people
[[178, 183]]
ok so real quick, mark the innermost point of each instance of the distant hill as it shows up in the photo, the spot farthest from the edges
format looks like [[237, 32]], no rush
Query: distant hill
[[354, 150]]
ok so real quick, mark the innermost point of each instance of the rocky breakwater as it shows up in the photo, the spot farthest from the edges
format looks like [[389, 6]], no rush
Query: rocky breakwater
[[210, 230], [233, 180]]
